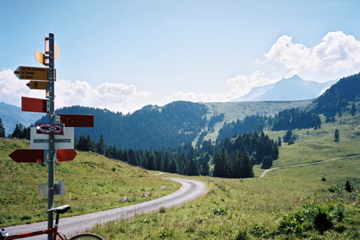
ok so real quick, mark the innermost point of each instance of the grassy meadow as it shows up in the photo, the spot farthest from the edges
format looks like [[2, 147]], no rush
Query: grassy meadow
[[285, 204], [92, 183], [307, 202]]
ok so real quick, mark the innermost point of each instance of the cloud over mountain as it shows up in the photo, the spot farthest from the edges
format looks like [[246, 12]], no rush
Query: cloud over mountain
[[336, 55], [336, 52]]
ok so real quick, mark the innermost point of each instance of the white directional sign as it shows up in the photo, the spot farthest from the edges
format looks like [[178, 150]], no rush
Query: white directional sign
[[41, 141]]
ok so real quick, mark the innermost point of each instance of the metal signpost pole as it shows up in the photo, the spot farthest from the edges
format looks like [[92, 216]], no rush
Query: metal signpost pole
[[44, 78], [52, 118]]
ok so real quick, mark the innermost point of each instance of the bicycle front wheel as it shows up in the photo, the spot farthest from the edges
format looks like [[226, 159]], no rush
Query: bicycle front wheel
[[86, 236]]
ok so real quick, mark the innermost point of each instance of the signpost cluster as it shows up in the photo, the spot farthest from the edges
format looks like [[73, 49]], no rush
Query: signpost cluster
[[53, 140]]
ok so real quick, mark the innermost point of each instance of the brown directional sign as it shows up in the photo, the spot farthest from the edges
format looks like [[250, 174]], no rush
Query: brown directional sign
[[28, 155], [33, 73], [37, 155], [33, 104], [38, 85], [75, 120]]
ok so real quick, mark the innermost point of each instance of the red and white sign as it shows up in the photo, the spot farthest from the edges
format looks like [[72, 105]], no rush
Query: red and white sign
[[41, 141], [48, 128]]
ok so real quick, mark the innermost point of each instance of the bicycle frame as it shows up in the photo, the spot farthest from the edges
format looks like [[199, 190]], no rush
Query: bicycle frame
[[54, 231]]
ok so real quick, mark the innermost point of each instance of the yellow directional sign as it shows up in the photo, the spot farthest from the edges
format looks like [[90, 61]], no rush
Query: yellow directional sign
[[38, 85], [32, 73], [41, 58]]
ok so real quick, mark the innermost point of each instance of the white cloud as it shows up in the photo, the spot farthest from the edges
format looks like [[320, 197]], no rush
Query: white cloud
[[242, 84], [115, 97], [336, 52], [239, 86]]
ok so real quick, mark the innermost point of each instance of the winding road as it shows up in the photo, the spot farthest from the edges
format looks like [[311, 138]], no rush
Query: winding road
[[73, 225]]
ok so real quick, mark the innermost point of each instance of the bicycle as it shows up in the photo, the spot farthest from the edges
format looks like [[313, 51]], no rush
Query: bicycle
[[54, 230]]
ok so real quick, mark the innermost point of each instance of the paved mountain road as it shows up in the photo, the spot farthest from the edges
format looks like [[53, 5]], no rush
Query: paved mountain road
[[73, 225]]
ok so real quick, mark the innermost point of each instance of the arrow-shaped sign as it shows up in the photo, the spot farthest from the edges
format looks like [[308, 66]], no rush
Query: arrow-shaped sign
[[32, 73], [37, 155], [38, 85], [63, 155], [28, 155]]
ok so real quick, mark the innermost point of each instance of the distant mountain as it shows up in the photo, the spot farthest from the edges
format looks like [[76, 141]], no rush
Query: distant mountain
[[12, 115], [254, 93], [287, 89]]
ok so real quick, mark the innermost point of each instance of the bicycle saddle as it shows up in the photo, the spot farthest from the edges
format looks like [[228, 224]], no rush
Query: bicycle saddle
[[61, 209]]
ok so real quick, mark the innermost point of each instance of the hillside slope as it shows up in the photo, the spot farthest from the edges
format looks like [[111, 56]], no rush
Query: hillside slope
[[92, 183], [337, 98]]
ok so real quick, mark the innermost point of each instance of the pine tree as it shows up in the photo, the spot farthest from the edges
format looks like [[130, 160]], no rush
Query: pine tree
[[247, 166], [336, 135], [193, 168], [205, 168], [353, 109], [100, 146], [172, 167], [267, 162], [2, 129], [222, 166], [151, 159]]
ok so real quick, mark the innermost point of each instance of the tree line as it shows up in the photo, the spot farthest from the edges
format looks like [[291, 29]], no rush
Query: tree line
[[338, 97], [233, 158], [284, 120]]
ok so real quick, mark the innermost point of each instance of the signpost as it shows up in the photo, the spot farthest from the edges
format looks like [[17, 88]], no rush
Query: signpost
[[54, 140], [32, 73]]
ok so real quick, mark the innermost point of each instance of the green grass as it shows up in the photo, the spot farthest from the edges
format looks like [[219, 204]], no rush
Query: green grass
[[257, 208], [92, 183]]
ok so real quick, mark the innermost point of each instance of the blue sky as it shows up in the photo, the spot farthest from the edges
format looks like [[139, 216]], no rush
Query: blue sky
[[122, 55]]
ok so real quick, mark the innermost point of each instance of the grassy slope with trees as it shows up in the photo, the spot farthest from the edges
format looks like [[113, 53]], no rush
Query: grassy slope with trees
[[313, 202], [283, 204]]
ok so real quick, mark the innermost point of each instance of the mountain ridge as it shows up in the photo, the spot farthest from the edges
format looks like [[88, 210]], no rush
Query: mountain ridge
[[287, 89]]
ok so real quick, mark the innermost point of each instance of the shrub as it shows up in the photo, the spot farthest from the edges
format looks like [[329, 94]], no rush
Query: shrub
[[162, 210], [322, 221], [348, 186], [220, 211]]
